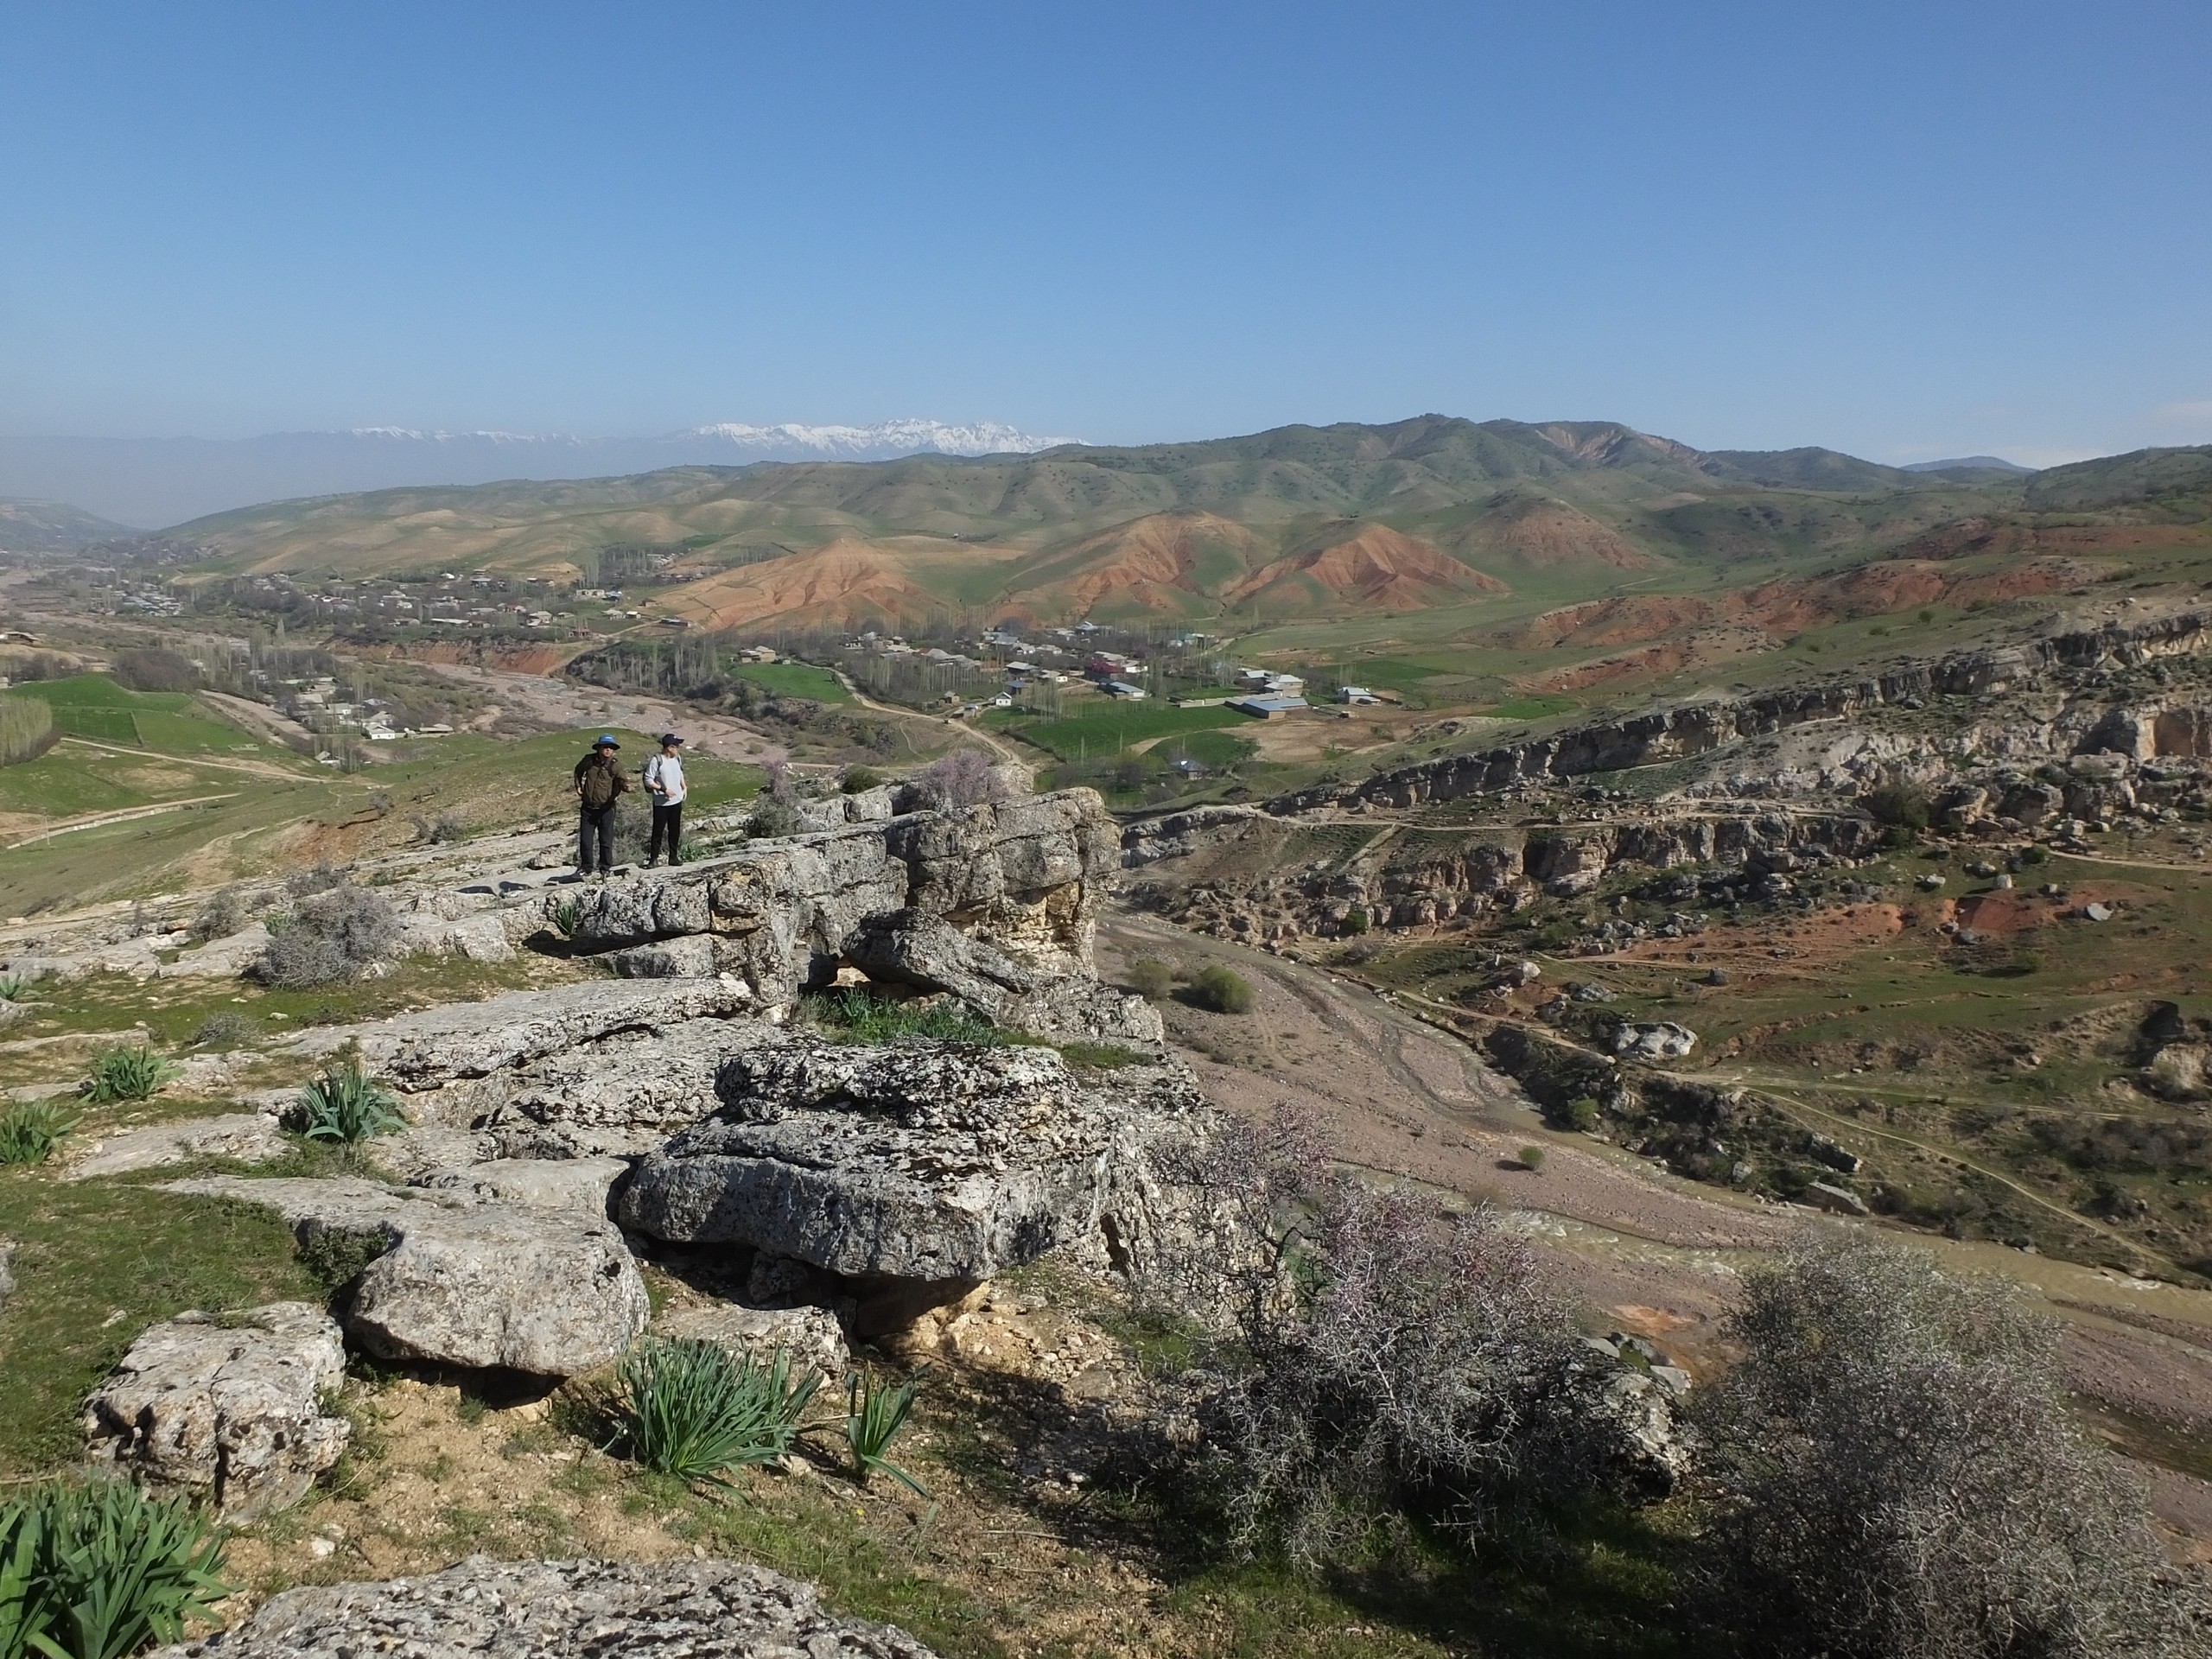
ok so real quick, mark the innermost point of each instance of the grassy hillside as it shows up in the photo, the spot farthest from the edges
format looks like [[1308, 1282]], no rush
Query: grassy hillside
[[1300, 522]]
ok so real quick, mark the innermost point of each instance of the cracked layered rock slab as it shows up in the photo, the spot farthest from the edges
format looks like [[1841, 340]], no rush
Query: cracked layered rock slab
[[496, 1610], [466, 1283], [811, 1336], [225, 1409], [464, 1040], [245, 1137], [577, 1185], [623, 1093], [918, 1170]]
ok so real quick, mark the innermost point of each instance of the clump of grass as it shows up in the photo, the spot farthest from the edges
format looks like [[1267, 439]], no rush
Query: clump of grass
[[567, 917], [17, 988], [337, 1257], [876, 1414], [130, 1071], [687, 1407], [346, 1105], [30, 1130], [854, 1013], [101, 1570]]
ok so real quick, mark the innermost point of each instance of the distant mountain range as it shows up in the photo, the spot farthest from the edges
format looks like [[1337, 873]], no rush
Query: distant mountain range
[[151, 482], [1422, 515]]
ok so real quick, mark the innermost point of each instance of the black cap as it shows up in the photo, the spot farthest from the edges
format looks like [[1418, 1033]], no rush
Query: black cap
[[667, 738]]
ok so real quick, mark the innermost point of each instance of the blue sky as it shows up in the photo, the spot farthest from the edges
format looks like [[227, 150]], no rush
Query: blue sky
[[1908, 230]]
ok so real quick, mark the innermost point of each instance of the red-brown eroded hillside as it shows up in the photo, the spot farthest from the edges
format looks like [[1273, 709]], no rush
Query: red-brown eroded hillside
[[846, 582], [1376, 567]]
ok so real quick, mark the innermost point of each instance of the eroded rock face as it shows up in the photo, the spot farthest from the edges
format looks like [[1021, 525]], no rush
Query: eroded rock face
[[225, 1409], [501, 1609], [465, 1283], [994, 903], [918, 1170]]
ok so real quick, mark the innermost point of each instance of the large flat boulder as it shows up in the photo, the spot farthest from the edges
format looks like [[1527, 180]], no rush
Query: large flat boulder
[[918, 1170], [227, 1408], [523, 1610], [461, 1283]]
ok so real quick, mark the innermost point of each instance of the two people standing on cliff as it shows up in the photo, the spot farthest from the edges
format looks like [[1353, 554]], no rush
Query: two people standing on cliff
[[600, 782]]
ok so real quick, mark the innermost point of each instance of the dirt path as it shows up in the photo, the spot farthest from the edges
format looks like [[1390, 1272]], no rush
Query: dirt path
[[984, 735], [252, 768], [1652, 1252], [98, 820]]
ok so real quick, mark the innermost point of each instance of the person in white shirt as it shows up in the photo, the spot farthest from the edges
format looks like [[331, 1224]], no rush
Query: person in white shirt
[[664, 783]]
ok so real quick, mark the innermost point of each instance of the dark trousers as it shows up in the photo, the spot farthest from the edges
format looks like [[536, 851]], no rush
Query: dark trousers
[[595, 822], [667, 816]]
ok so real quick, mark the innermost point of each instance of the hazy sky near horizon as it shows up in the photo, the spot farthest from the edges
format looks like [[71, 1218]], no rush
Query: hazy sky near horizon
[[1906, 231]]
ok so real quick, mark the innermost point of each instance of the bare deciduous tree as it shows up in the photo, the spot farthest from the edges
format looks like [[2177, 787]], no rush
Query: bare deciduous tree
[[964, 778]]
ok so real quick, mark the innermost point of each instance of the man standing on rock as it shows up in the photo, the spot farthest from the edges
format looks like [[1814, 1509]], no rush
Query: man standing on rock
[[664, 781], [599, 782]]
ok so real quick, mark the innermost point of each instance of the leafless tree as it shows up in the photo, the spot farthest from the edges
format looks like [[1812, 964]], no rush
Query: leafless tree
[[964, 778]]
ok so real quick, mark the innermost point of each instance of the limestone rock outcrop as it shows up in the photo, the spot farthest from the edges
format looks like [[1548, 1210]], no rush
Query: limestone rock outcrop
[[520, 1610], [996, 903], [917, 1171], [228, 1409], [460, 1282]]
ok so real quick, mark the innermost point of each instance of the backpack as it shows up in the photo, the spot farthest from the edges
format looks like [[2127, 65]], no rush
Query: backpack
[[603, 781]]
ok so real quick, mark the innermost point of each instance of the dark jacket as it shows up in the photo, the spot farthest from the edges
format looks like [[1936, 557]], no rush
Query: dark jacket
[[600, 777]]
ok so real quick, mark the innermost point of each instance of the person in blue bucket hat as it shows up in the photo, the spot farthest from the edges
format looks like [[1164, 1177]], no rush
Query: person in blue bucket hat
[[600, 782]]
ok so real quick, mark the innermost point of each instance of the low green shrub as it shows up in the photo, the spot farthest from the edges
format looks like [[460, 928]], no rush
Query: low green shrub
[[101, 1570], [567, 915], [1220, 990], [1151, 978], [852, 1012], [30, 1129], [858, 779], [16, 987], [1532, 1158], [876, 1413], [689, 1408], [346, 1105], [130, 1071]]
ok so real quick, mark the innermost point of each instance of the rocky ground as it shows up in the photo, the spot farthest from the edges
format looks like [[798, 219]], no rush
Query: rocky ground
[[1662, 1018]]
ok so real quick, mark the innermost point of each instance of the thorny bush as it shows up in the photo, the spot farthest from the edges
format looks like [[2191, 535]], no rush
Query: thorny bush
[[328, 937], [1897, 1474], [1389, 1359]]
